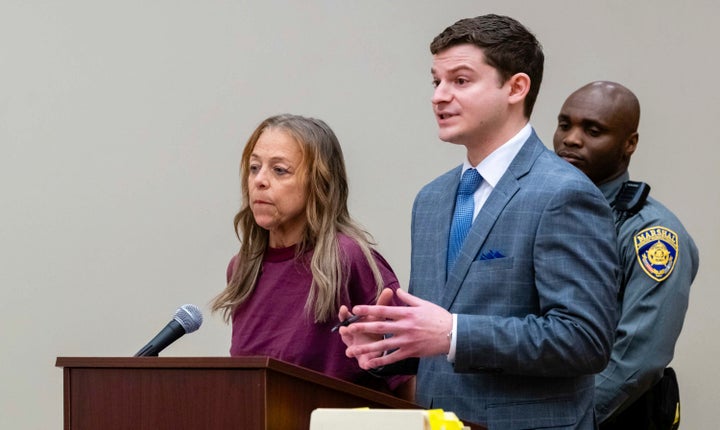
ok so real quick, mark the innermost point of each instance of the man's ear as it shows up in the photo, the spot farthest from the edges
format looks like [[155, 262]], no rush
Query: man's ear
[[519, 85], [631, 144]]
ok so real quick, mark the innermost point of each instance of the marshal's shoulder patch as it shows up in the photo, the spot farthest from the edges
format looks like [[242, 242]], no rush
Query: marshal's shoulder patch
[[657, 251]]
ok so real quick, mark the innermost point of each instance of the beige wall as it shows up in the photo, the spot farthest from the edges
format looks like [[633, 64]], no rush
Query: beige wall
[[122, 122]]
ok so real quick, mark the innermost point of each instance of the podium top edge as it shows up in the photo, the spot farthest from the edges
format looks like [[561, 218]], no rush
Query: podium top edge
[[167, 362]]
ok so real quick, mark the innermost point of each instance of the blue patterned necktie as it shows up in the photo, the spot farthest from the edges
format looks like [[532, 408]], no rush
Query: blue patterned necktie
[[462, 218]]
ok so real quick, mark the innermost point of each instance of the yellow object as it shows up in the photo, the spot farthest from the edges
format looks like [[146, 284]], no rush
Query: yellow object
[[382, 419], [441, 420]]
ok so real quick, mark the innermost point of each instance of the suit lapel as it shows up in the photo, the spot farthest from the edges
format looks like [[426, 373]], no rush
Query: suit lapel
[[441, 217], [508, 186]]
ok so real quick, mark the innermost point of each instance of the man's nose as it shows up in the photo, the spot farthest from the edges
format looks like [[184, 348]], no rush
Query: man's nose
[[441, 94], [573, 137]]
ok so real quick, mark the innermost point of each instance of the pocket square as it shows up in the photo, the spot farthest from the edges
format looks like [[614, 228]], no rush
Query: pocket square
[[491, 254]]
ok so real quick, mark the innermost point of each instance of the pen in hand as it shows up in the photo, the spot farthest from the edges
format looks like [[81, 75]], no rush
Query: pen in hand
[[347, 322]]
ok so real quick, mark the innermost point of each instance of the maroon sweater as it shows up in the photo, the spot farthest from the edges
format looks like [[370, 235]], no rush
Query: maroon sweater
[[273, 321]]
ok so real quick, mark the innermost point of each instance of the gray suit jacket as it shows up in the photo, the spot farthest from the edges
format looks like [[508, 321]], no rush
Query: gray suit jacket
[[534, 287]]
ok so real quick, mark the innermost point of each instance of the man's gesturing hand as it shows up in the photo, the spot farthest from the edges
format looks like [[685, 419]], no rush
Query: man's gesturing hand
[[418, 330]]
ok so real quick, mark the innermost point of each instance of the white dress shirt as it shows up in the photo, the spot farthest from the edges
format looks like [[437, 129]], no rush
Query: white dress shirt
[[492, 168]]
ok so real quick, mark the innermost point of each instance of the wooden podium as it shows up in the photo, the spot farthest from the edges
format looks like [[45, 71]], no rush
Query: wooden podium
[[213, 393]]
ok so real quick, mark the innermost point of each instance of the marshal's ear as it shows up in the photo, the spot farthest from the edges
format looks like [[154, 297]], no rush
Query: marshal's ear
[[631, 144]]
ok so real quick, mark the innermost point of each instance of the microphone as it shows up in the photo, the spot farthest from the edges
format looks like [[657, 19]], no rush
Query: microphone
[[187, 319]]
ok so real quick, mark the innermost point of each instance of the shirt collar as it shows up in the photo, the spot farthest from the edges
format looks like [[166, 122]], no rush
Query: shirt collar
[[611, 188], [493, 167]]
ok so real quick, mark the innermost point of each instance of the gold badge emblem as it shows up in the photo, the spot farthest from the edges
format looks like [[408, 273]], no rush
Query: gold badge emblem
[[657, 249]]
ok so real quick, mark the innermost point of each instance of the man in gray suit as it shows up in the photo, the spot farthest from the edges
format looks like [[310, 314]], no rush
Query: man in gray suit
[[512, 318]]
